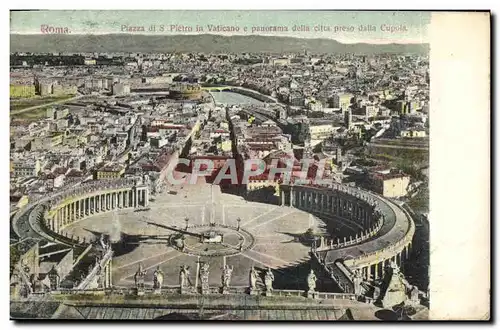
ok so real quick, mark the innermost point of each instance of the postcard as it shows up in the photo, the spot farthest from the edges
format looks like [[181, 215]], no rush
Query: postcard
[[234, 165]]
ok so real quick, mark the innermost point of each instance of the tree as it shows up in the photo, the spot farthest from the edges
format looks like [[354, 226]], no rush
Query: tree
[[318, 148]]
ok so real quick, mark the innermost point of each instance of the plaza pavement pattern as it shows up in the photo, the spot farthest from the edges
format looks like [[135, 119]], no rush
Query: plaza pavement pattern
[[143, 237]]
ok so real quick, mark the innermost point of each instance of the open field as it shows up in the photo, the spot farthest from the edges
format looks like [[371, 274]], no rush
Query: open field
[[30, 116], [19, 104]]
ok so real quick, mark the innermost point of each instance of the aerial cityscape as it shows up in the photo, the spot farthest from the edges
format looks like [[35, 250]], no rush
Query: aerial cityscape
[[221, 185]]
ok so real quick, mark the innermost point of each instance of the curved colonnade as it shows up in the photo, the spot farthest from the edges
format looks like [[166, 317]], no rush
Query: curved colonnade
[[384, 231], [47, 216]]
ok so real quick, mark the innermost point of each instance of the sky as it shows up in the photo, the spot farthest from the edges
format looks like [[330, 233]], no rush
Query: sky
[[343, 26]]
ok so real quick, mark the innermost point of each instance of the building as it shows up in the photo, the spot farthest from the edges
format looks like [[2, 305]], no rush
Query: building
[[185, 91], [110, 171], [389, 184], [26, 168], [55, 113], [369, 111], [282, 113], [268, 123], [315, 106], [342, 101], [64, 89], [348, 119], [121, 89], [407, 107], [158, 141], [22, 91], [280, 61], [43, 88], [47, 141], [321, 131], [413, 133]]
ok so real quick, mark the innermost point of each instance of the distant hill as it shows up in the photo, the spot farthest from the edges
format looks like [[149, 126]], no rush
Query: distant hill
[[208, 43]]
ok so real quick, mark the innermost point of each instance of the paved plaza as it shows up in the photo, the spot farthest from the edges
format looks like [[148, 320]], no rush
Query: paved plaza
[[265, 236]]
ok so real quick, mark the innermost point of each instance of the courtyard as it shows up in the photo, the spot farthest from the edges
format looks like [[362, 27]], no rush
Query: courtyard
[[191, 224]]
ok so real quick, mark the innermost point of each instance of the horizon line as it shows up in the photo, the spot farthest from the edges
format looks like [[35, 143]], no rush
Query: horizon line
[[380, 42]]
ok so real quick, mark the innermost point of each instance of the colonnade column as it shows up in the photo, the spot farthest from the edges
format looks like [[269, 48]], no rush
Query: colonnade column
[[399, 260], [51, 220], [63, 209]]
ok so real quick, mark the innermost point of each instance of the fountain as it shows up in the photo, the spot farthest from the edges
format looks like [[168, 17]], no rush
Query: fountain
[[115, 234], [211, 236]]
